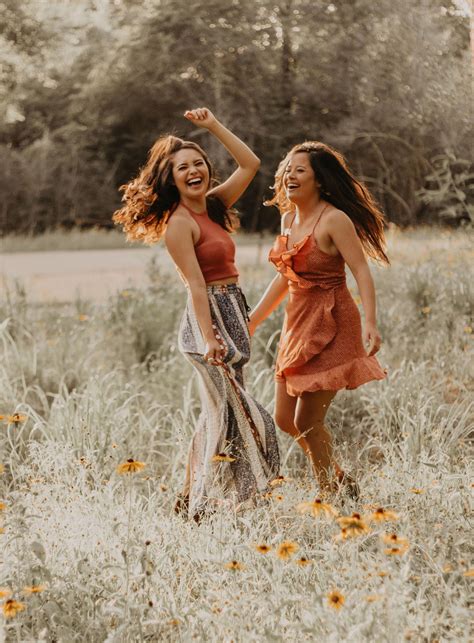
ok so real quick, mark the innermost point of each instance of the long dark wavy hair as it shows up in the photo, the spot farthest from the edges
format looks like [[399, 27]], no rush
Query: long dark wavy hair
[[152, 197], [340, 188]]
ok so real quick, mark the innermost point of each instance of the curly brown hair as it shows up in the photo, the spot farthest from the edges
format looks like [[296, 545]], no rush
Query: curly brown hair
[[340, 188], [152, 197]]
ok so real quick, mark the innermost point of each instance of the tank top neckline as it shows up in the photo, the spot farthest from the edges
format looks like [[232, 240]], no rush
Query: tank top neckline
[[299, 244], [193, 212]]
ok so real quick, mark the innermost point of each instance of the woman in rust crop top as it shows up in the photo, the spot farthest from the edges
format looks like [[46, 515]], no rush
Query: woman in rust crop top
[[234, 452], [329, 219]]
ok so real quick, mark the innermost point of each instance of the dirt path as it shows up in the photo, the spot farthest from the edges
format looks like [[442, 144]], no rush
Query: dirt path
[[90, 274]]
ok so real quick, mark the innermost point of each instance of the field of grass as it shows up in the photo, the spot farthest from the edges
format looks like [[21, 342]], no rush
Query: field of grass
[[91, 555]]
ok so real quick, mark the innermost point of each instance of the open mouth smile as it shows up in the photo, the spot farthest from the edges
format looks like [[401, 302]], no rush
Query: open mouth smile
[[195, 182], [292, 186]]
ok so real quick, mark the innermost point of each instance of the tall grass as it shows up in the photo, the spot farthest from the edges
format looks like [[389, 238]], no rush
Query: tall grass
[[101, 384]]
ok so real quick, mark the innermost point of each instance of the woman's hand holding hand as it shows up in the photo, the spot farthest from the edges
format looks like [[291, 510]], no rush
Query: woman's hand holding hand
[[214, 351], [202, 117], [372, 339]]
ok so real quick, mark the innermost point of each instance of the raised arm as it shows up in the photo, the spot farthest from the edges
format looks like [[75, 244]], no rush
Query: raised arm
[[344, 236], [229, 191], [179, 243]]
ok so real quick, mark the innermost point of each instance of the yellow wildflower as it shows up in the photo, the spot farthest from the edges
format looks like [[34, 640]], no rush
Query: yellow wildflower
[[222, 457], [279, 480], [372, 598], [4, 592], [83, 317], [287, 549], [395, 540], [417, 491], [12, 607], [302, 562], [263, 548], [17, 418], [234, 565], [395, 551], [316, 508], [335, 599], [353, 525], [383, 515], [3, 506], [34, 589], [131, 466], [469, 573]]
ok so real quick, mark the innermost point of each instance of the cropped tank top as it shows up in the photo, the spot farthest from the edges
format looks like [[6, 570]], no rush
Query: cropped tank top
[[215, 250]]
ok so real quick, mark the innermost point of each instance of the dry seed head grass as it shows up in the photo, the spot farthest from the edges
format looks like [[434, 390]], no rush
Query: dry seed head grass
[[98, 396]]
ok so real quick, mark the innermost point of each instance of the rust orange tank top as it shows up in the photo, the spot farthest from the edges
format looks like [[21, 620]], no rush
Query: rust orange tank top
[[215, 250]]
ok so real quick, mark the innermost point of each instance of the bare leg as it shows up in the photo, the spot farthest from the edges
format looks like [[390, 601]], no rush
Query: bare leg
[[285, 410], [310, 414]]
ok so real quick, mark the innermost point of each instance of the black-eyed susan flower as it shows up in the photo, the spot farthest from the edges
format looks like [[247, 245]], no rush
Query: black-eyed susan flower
[[278, 497], [335, 599], [222, 457], [17, 418], [4, 592], [263, 548], [131, 466], [34, 589], [279, 480], [342, 535], [316, 508], [394, 540], [287, 549], [353, 525], [11, 608], [395, 551], [382, 573], [469, 573], [303, 561], [417, 491], [234, 565], [3, 506], [383, 515]]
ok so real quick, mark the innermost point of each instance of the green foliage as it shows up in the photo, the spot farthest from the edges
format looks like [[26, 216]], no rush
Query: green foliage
[[449, 192], [103, 80]]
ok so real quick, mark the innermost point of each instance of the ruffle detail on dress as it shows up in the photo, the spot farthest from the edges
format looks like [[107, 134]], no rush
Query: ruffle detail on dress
[[345, 376], [282, 257], [319, 327]]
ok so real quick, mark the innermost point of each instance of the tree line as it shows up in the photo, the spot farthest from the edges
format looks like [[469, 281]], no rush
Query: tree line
[[88, 85]]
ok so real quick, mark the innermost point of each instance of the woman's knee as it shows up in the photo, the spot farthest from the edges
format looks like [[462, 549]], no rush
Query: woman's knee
[[305, 426], [285, 422]]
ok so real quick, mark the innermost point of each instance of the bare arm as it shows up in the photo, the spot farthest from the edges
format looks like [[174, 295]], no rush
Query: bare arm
[[229, 191], [344, 236], [275, 293], [272, 297], [180, 245]]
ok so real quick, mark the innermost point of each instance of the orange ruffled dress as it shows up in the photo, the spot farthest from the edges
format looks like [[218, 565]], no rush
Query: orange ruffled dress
[[321, 346]]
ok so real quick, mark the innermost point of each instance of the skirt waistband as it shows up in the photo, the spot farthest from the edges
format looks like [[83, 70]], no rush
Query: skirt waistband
[[223, 288]]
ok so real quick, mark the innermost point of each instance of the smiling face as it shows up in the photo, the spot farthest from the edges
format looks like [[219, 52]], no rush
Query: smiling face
[[299, 180], [190, 173]]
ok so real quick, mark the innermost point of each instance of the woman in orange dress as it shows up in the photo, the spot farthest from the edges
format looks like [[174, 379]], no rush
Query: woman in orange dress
[[329, 219]]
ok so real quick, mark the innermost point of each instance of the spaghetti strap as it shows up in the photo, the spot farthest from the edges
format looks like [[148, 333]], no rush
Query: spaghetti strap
[[319, 218]]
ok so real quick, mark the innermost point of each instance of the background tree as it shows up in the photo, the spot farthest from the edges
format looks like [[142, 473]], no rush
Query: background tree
[[88, 85]]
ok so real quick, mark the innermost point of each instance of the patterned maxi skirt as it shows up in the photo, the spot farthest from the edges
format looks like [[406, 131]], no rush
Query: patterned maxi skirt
[[231, 421]]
